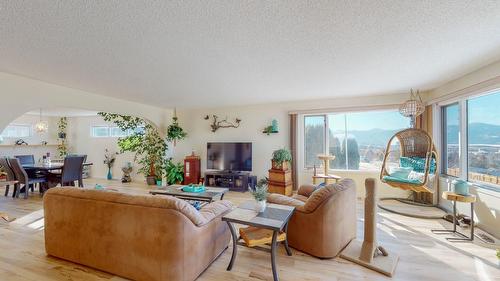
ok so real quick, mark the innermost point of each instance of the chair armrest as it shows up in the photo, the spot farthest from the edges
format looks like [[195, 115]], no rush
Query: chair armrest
[[284, 200], [214, 210], [306, 190]]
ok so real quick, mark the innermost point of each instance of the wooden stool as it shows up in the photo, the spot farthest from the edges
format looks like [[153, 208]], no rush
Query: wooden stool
[[254, 236], [452, 196]]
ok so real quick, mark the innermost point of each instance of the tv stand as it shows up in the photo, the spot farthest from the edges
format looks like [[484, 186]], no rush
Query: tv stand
[[235, 181]]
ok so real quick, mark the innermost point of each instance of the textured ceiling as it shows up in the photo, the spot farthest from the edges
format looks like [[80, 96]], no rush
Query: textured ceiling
[[217, 53]]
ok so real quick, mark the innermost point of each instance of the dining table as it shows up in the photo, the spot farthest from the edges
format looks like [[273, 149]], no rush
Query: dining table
[[49, 167]]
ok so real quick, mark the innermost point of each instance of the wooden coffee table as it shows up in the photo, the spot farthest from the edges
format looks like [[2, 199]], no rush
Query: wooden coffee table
[[274, 218], [209, 195]]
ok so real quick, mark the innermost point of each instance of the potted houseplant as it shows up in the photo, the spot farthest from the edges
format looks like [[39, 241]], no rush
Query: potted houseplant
[[174, 172], [147, 144], [281, 159], [260, 195], [109, 160], [174, 131]]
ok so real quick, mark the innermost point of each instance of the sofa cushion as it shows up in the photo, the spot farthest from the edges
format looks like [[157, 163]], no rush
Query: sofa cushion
[[306, 190], [284, 200], [323, 193], [165, 202], [214, 210]]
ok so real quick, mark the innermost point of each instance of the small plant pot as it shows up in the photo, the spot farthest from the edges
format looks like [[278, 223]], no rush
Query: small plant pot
[[260, 206], [280, 166], [151, 180], [158, 182]]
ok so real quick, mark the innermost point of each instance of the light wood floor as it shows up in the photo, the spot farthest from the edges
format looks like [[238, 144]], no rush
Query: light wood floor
[[423, 255]]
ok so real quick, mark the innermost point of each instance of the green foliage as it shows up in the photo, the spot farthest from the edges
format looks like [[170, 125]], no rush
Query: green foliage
[[268, 130], [338, 148], [260, 192], [314, 144], [109, 158], [174, 172], [62, 126], [175, 132], [282, 155], [149, 147]]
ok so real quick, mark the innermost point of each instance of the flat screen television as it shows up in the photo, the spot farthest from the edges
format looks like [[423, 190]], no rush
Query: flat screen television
[[229, 156]]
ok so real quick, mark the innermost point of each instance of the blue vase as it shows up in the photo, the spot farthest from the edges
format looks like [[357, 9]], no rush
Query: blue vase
[[274, 125], [461, 187], [110, 176]]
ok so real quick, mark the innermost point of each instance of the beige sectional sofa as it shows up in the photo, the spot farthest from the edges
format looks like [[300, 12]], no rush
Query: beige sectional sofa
[[140, 237]]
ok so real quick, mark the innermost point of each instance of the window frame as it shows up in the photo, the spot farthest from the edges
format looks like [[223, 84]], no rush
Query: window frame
[[326, 131], [92, 127], [110, 129], [325, 139], [29, 126], [462, 101]]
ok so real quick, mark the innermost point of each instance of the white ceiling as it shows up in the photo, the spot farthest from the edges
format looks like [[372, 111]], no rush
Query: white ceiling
[[218, 53]]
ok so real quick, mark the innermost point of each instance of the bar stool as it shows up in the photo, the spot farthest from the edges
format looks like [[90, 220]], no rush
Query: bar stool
[[452, 196]]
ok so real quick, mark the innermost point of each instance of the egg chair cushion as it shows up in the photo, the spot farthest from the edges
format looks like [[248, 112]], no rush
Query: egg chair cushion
[[417, 164], [401, 172], [401, 180]]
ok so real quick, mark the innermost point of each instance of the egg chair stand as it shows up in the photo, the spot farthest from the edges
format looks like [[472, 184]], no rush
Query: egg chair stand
[[414, 143]]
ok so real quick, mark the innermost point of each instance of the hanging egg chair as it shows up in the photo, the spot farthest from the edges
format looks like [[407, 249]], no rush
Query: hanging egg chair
[[417, 162]]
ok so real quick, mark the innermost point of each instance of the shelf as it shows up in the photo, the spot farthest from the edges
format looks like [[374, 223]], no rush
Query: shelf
[[29, 145]]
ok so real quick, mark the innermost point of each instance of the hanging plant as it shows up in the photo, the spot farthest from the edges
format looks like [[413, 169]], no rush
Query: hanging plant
[[174, 131], [62, 125]]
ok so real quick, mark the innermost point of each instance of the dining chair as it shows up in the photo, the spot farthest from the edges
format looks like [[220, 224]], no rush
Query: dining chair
[[71, 171], [29, 159], [23, 178], [26, 159], [8, 170]]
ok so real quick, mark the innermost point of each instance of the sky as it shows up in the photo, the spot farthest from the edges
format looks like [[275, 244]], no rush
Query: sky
[[485, 109], [388, 120]]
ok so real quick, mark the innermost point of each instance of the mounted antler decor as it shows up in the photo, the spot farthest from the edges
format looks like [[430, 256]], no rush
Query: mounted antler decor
[[222, 123]]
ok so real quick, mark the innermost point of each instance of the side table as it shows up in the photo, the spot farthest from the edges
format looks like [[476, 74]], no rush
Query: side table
[[274, 218], [452, 196]]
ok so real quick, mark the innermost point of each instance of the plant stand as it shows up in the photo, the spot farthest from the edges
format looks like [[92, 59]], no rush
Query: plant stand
[[452, 196]]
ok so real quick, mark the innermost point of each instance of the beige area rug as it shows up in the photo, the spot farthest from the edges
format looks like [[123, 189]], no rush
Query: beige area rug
[[401, 208]]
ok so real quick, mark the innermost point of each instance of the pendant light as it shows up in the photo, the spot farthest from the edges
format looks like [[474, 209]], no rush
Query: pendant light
[[412, 107], [42, 126]]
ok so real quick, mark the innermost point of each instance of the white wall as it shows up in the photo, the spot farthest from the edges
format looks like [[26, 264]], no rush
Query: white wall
[[81, 142], [35, 139], [256, 118], [20, 95]]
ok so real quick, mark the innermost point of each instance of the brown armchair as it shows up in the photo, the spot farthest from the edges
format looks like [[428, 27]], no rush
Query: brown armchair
[[324, 221]]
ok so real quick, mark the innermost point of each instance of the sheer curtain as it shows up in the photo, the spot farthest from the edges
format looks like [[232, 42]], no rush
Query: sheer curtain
[[293, 148]]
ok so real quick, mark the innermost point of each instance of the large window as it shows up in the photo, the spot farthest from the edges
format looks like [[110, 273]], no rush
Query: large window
[[314, 139], [17, 131], [451, 139], [112, 132], [358, 139], [474, 156]]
